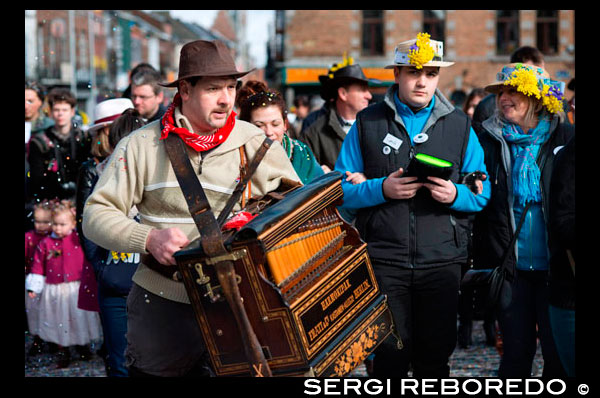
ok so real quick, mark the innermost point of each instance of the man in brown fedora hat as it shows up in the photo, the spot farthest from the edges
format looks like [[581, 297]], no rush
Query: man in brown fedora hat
[[346, 92], [416, 230], [163, 336]]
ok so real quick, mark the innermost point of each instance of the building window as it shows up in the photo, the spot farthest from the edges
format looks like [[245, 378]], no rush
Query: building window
[[372, 32], [547, 31], [56, 51], [507, 31], [434, 23]]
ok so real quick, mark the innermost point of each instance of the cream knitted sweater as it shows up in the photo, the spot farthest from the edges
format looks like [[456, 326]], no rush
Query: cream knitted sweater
[[139, 174]]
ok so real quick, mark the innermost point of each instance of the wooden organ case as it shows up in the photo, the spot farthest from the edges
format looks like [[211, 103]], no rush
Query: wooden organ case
[[306, 283]]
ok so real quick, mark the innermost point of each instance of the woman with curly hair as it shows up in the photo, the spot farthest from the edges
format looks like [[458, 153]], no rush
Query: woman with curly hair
[[266, 109]]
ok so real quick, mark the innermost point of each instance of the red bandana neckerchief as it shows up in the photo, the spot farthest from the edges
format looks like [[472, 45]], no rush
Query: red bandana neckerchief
[[198, 142]]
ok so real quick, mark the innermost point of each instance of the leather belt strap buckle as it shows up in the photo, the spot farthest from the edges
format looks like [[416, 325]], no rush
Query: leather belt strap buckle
[[168, 271]]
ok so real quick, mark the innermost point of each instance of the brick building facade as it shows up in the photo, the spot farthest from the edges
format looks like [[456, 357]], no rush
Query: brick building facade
[[92, 51], [307, 42]]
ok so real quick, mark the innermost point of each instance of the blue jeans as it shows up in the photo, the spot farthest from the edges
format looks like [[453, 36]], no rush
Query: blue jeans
[[113, 313], [562, 322]]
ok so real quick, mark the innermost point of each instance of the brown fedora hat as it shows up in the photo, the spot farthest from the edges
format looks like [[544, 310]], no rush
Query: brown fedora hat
[[205, 58]]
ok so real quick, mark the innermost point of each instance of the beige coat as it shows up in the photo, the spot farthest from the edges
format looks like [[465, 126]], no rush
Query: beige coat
[[139, 174]]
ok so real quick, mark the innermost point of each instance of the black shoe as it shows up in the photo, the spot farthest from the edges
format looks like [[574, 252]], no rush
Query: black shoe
[[64, 358], [490, 333], [464, 334], [102, 353], [52, 348], [36, 347], [83, 352]]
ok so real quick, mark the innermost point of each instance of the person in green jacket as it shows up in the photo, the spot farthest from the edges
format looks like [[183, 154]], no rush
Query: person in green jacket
[[266, 109]]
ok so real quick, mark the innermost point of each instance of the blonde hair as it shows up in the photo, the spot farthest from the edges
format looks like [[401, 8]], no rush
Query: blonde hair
[[45, 205], [535, 108], [63, 206]]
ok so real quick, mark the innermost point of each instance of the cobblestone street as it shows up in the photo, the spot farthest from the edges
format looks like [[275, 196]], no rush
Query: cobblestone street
[[477, 361]]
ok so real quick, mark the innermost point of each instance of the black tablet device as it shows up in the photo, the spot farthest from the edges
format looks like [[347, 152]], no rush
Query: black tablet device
[[423, 166]]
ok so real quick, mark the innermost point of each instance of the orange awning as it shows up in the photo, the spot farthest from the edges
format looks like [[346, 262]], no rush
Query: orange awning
[[311, 75]]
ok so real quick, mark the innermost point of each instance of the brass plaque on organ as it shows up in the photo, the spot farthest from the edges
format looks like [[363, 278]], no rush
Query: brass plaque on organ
[[334, 304]]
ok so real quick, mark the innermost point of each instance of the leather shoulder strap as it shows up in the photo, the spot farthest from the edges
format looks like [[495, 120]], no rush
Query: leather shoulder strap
[[511, 271], [245, 178], [200, 210], [212, 243]]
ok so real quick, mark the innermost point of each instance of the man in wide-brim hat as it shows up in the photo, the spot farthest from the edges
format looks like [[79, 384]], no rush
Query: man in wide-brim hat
[[345, 88], [163, 336], [417, 232], [342, 76]]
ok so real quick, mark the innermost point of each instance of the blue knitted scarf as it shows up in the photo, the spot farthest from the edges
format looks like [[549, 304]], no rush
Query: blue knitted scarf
[[524, 149]]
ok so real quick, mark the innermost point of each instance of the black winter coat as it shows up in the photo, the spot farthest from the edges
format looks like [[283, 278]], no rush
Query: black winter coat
[[54, 162], [325, 137], [561, 228], [484, 109], [494, 226], [86, 180]]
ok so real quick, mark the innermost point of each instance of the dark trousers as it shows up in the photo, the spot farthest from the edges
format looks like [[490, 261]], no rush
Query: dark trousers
[[528, 308], [163, 337], [563, 330], [113, 312], [424, 305]]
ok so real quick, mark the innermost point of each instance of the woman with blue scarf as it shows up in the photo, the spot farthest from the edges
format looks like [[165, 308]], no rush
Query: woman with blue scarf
[[520, 141]]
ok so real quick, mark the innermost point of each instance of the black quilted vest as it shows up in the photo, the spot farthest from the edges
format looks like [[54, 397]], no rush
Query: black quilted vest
[[419, 232]]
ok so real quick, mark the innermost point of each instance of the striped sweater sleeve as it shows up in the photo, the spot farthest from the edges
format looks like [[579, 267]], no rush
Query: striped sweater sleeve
[[120, 187]]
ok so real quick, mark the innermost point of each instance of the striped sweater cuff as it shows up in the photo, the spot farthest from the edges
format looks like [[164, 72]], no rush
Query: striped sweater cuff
[[138, 238]]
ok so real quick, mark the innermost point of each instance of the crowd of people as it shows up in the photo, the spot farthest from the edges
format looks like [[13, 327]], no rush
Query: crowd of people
[[76, 290], [104, 214]]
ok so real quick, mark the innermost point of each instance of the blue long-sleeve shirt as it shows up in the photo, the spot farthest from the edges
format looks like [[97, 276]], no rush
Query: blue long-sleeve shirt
[[370, 192]]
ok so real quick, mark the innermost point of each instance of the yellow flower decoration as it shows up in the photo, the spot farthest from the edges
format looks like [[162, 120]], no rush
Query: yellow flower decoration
[[553, 104], [525, 80], [421, 52], [346, 62], [117, 255]]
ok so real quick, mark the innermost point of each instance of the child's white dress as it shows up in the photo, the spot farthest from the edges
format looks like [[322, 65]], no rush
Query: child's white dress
[[55, 277]]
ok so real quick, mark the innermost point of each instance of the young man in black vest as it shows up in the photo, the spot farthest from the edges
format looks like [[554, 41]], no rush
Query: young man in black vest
[[416, 230]]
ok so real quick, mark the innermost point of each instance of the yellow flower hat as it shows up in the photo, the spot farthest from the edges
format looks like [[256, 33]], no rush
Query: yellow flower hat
[[531, 81], [420, 52]]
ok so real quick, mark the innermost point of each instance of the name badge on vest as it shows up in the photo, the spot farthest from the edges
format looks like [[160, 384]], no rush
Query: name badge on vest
[[392, 141]]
